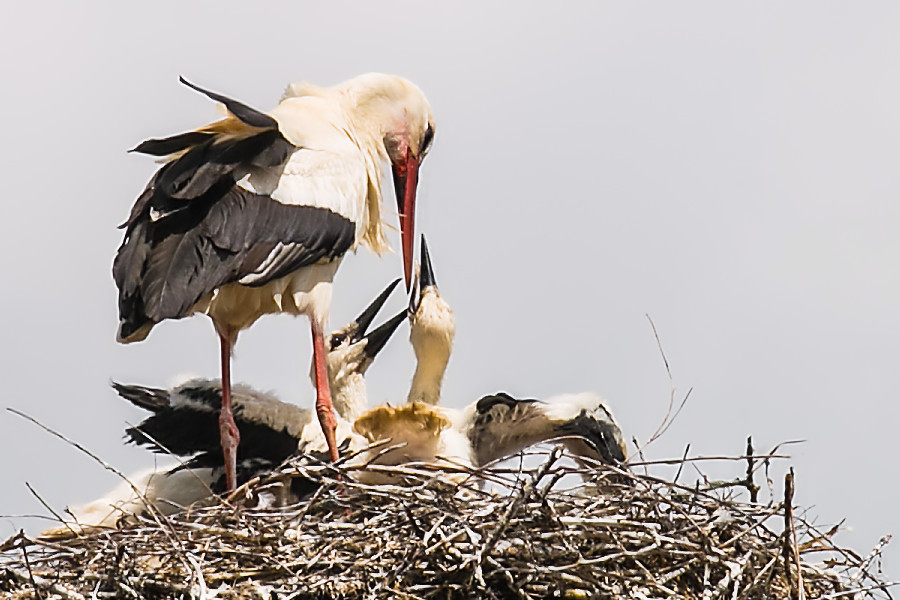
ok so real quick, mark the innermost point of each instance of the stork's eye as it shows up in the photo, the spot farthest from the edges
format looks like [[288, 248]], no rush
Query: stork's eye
[[336, 340], [427, 140]]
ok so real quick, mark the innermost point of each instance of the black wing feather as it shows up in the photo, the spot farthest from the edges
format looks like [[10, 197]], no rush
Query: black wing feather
[[193, 230], [192, 428], [248, 115], [189, 433], [172, 144], [201, 248]]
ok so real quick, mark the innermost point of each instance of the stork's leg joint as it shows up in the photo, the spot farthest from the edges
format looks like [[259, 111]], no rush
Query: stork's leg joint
[[230, 437], [329, 425]]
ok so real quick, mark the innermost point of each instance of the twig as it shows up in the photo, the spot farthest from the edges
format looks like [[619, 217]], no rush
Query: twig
[[875, 553], [198, 573], [751, 485], [716, 457], [24, 548], [790, 552], [669, 417], [47, 506], [858, 591], [39, 582], [682, 462]]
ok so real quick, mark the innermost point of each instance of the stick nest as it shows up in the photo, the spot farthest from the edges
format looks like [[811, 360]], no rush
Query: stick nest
[[529, 533]]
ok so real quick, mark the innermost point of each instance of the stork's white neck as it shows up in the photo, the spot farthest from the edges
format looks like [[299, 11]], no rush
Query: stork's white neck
[[431, 334], [346, 377], [350, 397], [427, 381]]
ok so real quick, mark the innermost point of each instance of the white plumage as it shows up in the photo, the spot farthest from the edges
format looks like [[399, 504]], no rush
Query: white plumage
[[168, 490], [431, 333]]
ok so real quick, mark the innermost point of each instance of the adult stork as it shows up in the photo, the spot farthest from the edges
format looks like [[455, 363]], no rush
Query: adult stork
[[252, 214]]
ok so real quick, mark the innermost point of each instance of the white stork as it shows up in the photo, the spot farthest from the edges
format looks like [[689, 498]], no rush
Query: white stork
[[431, 333], [252, 214]]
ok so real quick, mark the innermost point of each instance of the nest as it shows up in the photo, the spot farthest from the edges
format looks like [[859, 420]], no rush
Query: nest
[[536, 532]]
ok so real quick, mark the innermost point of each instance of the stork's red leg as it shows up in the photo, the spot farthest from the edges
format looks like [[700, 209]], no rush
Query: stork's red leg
[[324, 407], [227, 427]]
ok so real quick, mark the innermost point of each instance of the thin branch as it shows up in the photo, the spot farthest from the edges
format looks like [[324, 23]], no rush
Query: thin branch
[[48, 507]]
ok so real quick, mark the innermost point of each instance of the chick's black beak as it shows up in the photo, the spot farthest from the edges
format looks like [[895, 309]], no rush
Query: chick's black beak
[[368, 315], [598, 435], [377, 339], [423, 281], [426, 272]]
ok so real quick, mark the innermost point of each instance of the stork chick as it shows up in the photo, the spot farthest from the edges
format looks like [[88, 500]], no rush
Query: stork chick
[[431, 333], [422, 433], [168, 488]]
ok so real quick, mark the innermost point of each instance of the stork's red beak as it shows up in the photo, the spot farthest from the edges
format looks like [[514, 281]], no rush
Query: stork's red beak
[[406, 177]]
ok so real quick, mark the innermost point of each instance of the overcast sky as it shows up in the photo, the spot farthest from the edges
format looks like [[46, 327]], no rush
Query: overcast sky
[[732, 171]]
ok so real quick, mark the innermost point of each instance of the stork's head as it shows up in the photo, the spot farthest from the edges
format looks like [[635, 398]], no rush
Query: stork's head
[[500, 426], [431, 333], [396, 111], [586, 417], [431, 319], [350, 352]]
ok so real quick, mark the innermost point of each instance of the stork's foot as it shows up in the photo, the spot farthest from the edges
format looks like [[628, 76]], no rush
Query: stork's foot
[[230, 437]]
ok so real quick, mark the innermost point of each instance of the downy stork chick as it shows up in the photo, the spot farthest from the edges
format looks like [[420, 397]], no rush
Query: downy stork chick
[[422, 433], [431, 333], [252, 214], [169, 489], [500, 426]]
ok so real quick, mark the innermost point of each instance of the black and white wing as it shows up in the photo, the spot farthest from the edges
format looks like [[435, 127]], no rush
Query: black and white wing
[[198, 226]]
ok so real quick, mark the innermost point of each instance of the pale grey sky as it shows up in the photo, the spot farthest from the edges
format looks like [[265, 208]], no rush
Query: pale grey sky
[[732, 171]]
